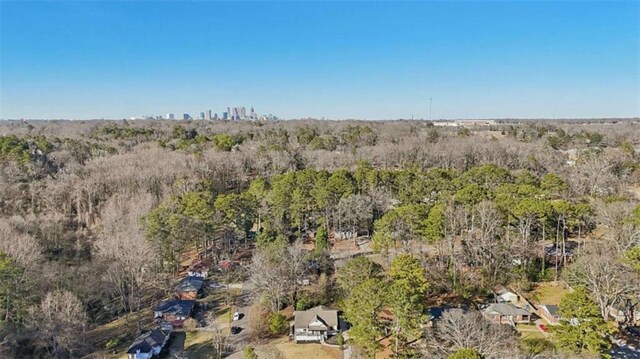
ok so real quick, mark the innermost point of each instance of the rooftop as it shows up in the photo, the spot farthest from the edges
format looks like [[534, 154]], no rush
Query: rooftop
[[316, 315], [505, 309], [149, 340], [176, 307], [190, 284]]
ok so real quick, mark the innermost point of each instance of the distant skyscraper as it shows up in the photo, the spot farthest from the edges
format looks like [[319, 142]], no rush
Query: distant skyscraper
[[253, 114], [225, 115], [170, 116], [243, 113], [208, 115], [201, 115], [186, 116]]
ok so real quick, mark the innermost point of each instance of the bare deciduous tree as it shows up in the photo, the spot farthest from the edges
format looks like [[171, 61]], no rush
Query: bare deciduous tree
[[277, 271], [601, 272], [219, 342], [59, 322], [354, 213], [123, 246], [22, 247], [457, 330]]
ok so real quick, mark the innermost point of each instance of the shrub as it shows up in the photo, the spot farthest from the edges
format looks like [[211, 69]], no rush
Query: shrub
[[223, 142], [249, 353], [322, 238], [277, 324], [305, 302], [467, 353], [112, 343], [340, 340]]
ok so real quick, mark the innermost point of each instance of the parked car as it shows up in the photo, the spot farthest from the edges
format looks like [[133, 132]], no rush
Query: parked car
[[235, 330], [544, 328], [236, 316]]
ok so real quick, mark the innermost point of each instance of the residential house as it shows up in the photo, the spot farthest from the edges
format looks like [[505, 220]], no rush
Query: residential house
[[148, 344], [200, 268], [315, 325], [555, 253], [189, 288], [174, 311], [550, 313], [506, 313]]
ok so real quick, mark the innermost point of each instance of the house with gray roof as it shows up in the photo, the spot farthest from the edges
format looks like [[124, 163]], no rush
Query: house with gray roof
[[506, 313], [148, 344], [174, 311], [315, 325], [189, 288]]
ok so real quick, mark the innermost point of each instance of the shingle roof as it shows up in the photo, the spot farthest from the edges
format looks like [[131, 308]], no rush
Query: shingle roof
[[149, 340], [190, 284], [505, 309], [553, 309], [176, 307], [327, 316]]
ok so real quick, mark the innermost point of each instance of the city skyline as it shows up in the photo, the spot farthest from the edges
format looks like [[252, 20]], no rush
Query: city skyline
[[378, 60], [238, 113]]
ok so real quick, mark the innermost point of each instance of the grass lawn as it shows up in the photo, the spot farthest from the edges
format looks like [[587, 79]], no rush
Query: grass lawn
[[548, 293], [197, 345], [291, 350], [121, 329], [531, 334]]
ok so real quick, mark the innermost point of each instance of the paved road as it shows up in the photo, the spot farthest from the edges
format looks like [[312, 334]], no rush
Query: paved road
[[243, 305]]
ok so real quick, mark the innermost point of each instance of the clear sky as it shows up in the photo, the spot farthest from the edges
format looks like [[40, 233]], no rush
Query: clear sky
[[369, 60]]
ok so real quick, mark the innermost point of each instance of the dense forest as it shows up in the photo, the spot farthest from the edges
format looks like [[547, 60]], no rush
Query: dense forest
[[97, 219]]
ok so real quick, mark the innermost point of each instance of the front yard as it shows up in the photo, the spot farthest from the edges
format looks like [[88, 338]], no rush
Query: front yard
[[529, 331], [282, 348], [197, 345]]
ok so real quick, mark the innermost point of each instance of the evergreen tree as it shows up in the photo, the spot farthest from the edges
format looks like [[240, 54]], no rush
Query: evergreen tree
[[582, 330], [362, 309], [406, 297]]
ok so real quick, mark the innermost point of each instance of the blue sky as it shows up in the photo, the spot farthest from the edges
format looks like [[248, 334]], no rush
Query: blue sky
[[369, 60]]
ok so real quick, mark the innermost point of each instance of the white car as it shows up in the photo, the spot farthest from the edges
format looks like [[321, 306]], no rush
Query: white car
[[236, 316]]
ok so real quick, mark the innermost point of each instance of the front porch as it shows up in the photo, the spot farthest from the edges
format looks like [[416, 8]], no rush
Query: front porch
[[303, 335]]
